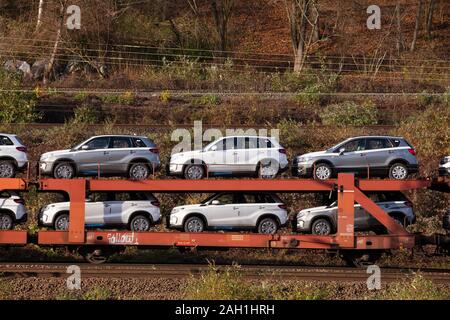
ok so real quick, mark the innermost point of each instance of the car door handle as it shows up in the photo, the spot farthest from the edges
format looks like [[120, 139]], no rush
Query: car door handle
[[132, 151], [235, 208], [391, 151], [363, 154], [235, 152], [105, 152], [261, 207], [107, 205]]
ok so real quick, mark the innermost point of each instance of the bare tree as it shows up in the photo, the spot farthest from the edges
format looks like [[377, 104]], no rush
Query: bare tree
[[430, 17], [222, 11], [51, 62], [40, 13], [399, 41], [298, 12], [416, 28]]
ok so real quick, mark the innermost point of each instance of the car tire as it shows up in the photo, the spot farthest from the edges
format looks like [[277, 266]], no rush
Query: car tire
[[61, 222], [194, 172], [398, 171], [267, 226], [138, 171], [7, 169], [64, 170], [194, 224], [268, 169], [140, 223], [322, 171], [321, 227], [6, 221]]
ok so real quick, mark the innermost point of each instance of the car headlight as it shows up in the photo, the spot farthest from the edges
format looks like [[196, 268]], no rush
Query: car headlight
[[175, 210], [302, 159], [445, 160]]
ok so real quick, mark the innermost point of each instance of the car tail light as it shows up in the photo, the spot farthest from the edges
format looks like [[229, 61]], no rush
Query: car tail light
[[412, 151], [283, 151], [282, 206], [19, 201], [22, 149], [154, 150], [156, 203]]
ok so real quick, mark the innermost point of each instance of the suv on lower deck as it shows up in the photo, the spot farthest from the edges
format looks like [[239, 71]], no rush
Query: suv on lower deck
[[13, 155], [109, 155], [231, 156], [12, 210], [136, 211], [263, 212], [323, 220], [366, 156]]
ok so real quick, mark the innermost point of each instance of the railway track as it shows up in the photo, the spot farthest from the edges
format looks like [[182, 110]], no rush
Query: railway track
[[59, 270]]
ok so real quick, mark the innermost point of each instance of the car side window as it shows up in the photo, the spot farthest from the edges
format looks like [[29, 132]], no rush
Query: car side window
[[138, 143], [264, 143], [250, 198], [373, 144], [121, 142], [123, 196], [226, 198], [98, 143], [101, 196], [5, 141], [354, 145]]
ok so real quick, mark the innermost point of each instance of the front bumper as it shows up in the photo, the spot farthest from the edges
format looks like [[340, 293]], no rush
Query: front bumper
[[301, 170], [443, 172], [45, 168]]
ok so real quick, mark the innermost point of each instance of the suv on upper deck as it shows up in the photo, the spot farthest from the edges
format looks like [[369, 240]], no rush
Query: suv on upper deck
[[230, 156], [109, 155], [367, 155]]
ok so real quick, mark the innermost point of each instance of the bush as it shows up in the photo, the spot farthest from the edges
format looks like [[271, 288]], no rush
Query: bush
[[85, 114], [16, 106], [230, 285], [416, 288], [350, 113]]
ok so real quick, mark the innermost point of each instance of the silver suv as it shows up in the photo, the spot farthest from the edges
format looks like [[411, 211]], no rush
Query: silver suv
[[109, 155], [323, 220], [368, 155]]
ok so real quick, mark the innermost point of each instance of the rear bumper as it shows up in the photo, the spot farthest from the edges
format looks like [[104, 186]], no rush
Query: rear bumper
[[413, 168], [23, 219]]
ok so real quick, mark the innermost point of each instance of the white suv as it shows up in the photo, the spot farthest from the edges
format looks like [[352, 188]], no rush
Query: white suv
[[232, 155], [13, 155], [444, 166], [137, 211], [264, 212], [12, 210]]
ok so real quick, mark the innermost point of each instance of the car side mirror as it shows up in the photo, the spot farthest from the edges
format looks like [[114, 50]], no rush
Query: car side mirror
[[215, 202], [85, 147], [341, 151], [213, 148]]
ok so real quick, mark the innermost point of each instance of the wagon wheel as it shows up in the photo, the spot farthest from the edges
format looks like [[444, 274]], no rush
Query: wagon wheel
[[95, 255], [361, 258]]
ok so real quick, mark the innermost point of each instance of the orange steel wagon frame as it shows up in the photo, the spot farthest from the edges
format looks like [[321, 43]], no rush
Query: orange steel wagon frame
[[349, 190]]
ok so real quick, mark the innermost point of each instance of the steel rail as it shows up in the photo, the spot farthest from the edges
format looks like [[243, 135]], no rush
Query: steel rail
[[259, 272]]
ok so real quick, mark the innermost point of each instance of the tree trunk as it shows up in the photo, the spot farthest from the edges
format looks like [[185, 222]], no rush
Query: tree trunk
[[297, 11], [416, 29], [40, 13], [51, 62], [430, 18], [222, 10], [399, 43], [315, 21]]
